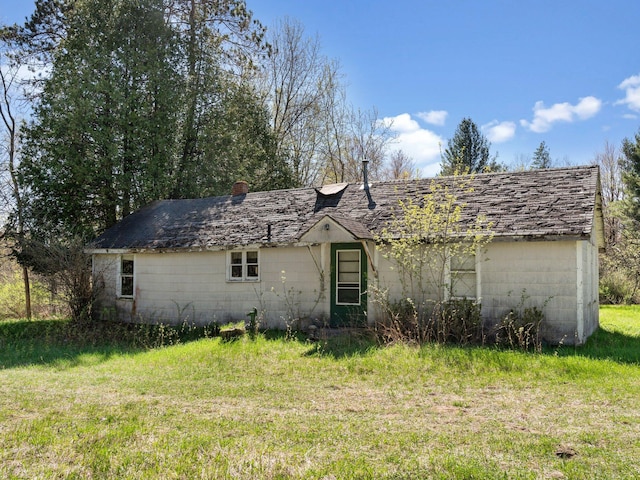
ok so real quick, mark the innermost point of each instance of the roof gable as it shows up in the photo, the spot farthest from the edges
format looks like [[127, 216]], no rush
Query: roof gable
[[540, 203], [333, 229]]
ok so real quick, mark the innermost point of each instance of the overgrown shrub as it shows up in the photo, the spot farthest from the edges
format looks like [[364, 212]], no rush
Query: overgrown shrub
[[460, 321], [400, 322], [67, 270], [617, 288], [520, 329], [455, 321]]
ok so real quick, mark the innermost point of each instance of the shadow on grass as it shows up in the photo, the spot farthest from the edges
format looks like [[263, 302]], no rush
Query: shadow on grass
[[65, 344], [49, 342], [333, 343], [606, 345], [349, 344], [602, 345]]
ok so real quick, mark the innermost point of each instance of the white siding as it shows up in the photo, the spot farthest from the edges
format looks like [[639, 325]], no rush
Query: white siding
[[559, 276], [193, 287], [533, 273], [590, 295]]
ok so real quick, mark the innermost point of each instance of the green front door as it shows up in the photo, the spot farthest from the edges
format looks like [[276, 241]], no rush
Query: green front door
[[348, 285]]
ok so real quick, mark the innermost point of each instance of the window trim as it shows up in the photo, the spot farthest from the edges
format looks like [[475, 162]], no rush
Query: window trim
[[244, 264], [450, 273], [359, 282], [121, 276]]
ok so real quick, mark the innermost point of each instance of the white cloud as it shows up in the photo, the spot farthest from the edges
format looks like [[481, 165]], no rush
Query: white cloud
[[422, 145], [401, 123], [544, 118], [499, 132], [631, 86], [434, 117]]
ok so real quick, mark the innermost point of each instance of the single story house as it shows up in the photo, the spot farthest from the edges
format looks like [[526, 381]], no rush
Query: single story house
[[312, 252]]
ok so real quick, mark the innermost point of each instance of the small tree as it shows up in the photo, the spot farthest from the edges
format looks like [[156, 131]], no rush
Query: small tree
[[68, 270], [400, 166], [423, 240], [541, 157]]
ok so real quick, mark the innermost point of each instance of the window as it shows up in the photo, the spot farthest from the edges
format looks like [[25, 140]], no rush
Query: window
[[126, 280], [464, 279], [243, 266], [348, 277]]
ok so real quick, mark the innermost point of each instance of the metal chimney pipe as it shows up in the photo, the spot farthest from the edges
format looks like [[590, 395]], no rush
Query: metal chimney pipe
[[365, 174]]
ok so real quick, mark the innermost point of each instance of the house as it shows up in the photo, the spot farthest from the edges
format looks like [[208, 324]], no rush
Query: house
[[311, 253]]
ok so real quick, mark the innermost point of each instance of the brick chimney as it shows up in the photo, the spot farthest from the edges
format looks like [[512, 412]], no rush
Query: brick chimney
[[240, 188]]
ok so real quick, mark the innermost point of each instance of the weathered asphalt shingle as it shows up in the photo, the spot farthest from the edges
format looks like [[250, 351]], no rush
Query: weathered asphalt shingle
[[538, 203]]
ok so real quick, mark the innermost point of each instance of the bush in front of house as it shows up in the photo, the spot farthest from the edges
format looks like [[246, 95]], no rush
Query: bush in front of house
[[457, 321], [520, 329]]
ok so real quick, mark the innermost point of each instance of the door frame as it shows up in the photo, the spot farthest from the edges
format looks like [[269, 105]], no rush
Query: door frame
[[351, 315]]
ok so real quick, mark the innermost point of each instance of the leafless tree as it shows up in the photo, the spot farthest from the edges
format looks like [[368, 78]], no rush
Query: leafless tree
[[400, 166], [297, 81], [349, 137], [322, 137], [10, 194], [612, 189]]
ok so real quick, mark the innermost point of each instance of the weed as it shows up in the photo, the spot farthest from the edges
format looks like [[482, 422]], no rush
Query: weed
[[521, 327], [453, 321]]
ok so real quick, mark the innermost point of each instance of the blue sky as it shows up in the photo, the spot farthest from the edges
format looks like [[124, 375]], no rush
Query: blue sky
[[525, 71]]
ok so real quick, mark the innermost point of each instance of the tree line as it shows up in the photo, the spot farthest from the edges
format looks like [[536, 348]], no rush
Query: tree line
[[135, 101]]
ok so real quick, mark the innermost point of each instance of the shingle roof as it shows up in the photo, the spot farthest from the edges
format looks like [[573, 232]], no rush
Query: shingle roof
[[539, 203]]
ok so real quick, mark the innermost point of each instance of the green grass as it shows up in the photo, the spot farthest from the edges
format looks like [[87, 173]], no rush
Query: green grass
[[276, 407]]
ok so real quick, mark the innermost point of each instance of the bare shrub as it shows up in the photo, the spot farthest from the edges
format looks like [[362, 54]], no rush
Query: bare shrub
[[521, 327], [67, 269], [455, 321]]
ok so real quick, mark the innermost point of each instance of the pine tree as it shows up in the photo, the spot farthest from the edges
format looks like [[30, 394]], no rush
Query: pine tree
[[541, 157], [467, 151], [144, 103]]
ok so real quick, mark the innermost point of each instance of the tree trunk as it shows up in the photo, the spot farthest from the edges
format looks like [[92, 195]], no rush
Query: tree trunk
[[27, 292]]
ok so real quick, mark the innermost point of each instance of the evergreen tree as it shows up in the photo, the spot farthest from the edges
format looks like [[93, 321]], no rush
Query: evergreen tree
[[146, 100], [467, 151], [630, 166], [541, 157], [238, 144], [218, 40], [101, 137]]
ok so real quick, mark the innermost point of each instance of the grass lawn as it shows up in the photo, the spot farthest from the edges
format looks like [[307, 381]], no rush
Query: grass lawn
[[277, 407]]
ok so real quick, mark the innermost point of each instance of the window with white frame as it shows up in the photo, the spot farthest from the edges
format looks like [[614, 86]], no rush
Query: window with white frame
[[243, 266], [126, 278], [464, 278], [348, 277]]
